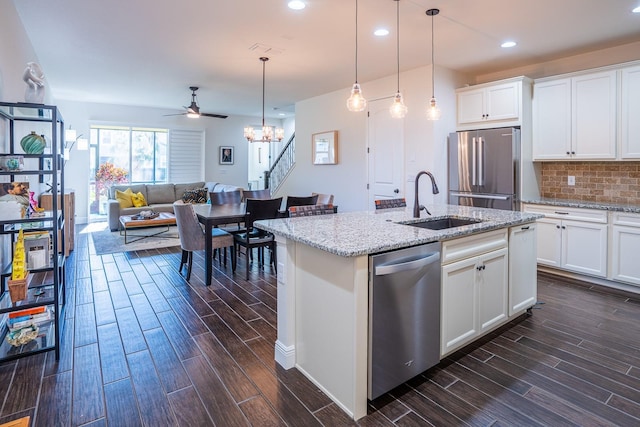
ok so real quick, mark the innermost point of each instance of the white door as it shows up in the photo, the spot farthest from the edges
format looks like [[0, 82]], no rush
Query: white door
[[385, 141], [492, 276], [549, 241], [503, 102], [584, 247], [258, 164], [552, 120], [523, 283], [630, 111], [459, 304]]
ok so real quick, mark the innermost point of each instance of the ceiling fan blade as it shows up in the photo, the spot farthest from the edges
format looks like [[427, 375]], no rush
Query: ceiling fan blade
[[178, 114], [218, 116]]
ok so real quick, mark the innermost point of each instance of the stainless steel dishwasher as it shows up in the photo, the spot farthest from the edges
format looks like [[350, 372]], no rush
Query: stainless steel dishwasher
[[404, 315]]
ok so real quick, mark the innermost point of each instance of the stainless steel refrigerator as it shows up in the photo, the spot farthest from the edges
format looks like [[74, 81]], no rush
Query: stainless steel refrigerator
[[484, 168]]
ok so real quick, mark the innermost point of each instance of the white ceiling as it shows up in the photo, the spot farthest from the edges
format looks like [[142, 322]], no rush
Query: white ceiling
[[148, 52]]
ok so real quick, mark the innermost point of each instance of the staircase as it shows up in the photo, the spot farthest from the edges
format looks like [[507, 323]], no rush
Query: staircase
[[282, 166]]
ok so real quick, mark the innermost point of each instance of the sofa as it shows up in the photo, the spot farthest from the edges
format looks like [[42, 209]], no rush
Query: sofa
[[158, 197]]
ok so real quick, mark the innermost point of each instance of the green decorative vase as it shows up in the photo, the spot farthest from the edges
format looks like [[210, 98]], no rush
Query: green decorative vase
[[33, 143]]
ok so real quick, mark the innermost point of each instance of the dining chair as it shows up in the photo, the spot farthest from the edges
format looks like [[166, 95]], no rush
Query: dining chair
[[192, 237], [300, 201], [390, 203], [225, 197], [257, 209], [323, 199], [256, 194], [310, 210]]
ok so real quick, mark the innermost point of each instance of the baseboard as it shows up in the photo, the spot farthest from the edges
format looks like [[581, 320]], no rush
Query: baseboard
[[285, 355], [582, 280]]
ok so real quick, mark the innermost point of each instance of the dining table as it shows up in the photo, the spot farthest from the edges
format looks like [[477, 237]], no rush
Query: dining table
[[214, 215]]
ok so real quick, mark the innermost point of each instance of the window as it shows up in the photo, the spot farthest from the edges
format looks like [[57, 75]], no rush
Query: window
[[142, 152]]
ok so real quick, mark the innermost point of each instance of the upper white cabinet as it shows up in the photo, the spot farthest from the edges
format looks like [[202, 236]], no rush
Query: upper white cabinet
[[629, 113], [490, 105], [575, 118]]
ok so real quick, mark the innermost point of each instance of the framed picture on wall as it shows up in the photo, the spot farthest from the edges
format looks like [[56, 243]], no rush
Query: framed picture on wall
[[324, 148], [226, 155]]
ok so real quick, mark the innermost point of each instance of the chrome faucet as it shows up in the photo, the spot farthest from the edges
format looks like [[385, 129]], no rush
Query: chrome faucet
[[417, 207]]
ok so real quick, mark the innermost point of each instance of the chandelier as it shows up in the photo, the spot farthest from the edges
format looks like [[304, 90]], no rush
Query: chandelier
[[267, 131]]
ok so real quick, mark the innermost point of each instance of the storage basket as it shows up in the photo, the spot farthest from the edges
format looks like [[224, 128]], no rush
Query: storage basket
[[18, 288]]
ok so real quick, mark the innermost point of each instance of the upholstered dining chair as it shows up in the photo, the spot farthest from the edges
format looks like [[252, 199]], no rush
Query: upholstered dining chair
[[256, 194], [225, 197], [390, 203], [192, 237], [257, 209], [311, 210], [300, 201]]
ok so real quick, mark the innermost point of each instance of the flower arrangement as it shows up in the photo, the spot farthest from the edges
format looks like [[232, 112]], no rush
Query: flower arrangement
[[108, 174]]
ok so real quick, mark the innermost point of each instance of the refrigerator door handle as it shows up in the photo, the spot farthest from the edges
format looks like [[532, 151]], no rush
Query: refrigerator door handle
[[480, 161], [481, 196], [473, 161]]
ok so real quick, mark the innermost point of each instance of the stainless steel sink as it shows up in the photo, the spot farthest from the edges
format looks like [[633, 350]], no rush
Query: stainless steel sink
[[443, 223]]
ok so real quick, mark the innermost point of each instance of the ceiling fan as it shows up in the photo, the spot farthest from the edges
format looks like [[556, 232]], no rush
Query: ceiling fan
[[193, 110]]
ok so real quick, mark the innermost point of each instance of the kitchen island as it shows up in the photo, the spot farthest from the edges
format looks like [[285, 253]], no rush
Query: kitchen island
[[323, 285]]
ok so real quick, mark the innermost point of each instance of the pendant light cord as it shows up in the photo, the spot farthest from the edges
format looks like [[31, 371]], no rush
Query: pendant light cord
[[433, 65], [356, 41], [398, 41], [264, 60]]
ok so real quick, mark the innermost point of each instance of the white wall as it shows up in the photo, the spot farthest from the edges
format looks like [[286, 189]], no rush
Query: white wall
[[218, 132], [424, 141]]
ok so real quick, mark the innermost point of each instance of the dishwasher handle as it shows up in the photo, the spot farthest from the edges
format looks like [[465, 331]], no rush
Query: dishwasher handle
[[391, 268]]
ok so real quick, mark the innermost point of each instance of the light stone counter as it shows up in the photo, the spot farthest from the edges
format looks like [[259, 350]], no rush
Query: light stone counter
[[365, 233], [587, 205]]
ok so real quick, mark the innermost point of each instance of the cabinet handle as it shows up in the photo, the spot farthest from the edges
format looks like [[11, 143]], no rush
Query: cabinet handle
[[481, 267], [568, 153], [524, 228], [564, 228], [561, 213], [558, 227], [573, 152]]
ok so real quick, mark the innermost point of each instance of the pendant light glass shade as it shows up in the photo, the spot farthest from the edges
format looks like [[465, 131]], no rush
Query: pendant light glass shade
[[433, 112], [356, 101], [398, 110], [267, 131]]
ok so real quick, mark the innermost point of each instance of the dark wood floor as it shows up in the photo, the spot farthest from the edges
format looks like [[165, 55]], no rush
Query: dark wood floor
[[143, 347]]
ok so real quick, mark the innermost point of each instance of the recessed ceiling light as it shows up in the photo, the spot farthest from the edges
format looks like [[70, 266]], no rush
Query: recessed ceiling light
[[508, 44], [381, 32], [281, 114], [296, 5], [636, 10]]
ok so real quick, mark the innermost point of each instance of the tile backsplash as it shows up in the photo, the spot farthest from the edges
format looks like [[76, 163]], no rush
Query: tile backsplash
[[600, 182]]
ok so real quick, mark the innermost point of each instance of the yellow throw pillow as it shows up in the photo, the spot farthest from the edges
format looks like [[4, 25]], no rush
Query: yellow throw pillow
[[138, 200], [124, 198]]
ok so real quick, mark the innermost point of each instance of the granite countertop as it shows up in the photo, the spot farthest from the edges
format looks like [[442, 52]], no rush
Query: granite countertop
[[588, 205], [364, 233]]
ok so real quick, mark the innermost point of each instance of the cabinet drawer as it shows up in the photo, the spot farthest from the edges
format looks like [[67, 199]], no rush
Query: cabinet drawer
[[574, 214], [625, 218], [466, 247]]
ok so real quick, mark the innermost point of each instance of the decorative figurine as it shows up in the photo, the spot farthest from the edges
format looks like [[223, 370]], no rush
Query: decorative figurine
[[34, 78]]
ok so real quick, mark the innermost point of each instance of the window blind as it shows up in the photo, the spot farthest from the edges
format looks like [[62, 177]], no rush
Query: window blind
[[186, 156]]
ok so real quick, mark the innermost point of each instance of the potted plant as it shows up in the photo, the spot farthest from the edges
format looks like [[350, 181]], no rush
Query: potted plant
[[107, 175]]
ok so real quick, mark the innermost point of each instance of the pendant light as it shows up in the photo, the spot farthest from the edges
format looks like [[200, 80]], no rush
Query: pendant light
[[398, 110], [356, 101], [267, 131], [433, 112]]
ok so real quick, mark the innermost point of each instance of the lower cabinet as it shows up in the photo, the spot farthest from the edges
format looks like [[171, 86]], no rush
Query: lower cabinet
[[573, 239], [523, 268], [625, 236], [474, 293]]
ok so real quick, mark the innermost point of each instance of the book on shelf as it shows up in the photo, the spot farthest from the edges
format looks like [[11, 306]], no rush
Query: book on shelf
[[27, 321], [27, 312]]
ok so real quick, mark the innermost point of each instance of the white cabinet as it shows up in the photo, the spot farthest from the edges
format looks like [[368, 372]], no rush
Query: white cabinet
[[497, 104], [572, 239], [575, 118], [629, 113], [523, 277], [474, 287], [625, 247]]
